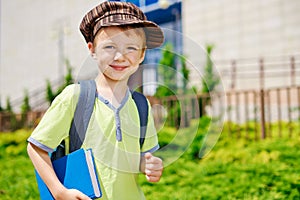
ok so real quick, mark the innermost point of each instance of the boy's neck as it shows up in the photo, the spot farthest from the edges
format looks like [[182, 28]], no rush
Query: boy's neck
[[114, 91]]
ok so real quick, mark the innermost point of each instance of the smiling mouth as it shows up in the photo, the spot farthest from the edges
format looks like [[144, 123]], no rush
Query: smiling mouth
[[118, 68]]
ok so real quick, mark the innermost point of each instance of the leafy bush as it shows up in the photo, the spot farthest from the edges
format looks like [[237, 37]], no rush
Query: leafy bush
[[194, 149], [236, 168], [17, 173], [210, 80], [166, 135], [8, 106], [13, 144], [1, 108], [68, 79]]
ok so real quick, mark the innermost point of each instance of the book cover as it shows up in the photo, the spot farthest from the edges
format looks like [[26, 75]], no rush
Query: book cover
[[76, 170]]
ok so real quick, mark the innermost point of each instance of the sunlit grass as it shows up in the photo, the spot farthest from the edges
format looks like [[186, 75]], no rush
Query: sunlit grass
[[236, 168]]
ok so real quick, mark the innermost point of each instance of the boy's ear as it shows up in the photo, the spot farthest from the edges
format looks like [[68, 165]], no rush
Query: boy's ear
[[91, 47], [142, 56]]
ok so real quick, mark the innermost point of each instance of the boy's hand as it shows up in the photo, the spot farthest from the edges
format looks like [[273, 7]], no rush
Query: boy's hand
[[153, 167], [72, 194]]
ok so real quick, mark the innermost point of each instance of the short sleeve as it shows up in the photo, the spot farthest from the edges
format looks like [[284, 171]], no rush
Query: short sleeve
[[151, 141], [56, 122]]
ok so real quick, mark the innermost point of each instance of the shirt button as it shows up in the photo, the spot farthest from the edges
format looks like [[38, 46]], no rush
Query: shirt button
[[106, 101]]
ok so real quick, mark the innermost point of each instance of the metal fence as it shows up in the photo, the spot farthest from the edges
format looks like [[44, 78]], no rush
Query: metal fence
[[265, 113], [253, 73]]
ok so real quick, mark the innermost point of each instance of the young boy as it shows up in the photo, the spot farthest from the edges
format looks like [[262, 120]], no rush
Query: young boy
[[117, 34]]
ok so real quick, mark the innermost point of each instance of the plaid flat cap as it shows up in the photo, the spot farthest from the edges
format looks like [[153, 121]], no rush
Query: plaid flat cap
[[118, 14]]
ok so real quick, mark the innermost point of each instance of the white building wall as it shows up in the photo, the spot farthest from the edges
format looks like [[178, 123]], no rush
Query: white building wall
[[242, 29], [238, 28], [29, 42]]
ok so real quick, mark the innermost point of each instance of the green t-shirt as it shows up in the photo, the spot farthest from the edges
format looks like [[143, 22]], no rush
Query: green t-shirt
[[112, 133]]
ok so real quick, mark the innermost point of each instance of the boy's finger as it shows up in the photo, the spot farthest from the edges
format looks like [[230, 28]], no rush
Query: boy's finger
[[154, 167], [155, 173], [153, 160], [152, 178], [81, 196]]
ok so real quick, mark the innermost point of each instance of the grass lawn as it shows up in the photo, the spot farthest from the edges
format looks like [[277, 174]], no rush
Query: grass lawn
[[17, 180], [234, 169]]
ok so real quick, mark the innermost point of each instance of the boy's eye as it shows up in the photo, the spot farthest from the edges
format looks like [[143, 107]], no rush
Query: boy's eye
[[132, 48], [109, 47]]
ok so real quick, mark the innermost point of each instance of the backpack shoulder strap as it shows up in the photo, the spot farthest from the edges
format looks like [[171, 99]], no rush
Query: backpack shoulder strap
[[82, 115], [143, 110]]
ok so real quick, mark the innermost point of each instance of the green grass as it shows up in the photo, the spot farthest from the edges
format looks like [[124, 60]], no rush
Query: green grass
[[17, 180], [234, 169]]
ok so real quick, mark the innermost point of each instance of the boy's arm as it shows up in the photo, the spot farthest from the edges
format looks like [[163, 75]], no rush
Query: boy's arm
[[152, 167], [43, 165]]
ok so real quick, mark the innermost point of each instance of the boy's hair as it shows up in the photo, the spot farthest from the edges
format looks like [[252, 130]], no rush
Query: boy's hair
[[120, 14]]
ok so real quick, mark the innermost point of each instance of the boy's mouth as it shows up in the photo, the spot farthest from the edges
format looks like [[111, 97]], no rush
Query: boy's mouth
[[118, 67]]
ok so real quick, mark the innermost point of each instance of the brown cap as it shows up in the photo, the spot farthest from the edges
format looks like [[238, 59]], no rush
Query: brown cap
[[119, 14]]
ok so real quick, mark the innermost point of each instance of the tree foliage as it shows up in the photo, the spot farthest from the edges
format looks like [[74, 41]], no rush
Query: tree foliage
[[167, 71], [1, 108], [68, 79], [186, 75], [210, 80], [25, 106], [8, 106]]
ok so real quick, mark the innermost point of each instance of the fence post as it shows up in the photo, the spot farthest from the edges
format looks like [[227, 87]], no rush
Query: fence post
[[269, 108], [262, 114], [261, 73], [246, 95], [278, 93], [237, 113], [288, 95], [1, 126], [293, 82], [229, 112], [298, 92], [262, 100], [233, 74]]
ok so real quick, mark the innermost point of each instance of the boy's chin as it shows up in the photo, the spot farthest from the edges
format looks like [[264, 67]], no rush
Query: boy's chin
[[116, 78]]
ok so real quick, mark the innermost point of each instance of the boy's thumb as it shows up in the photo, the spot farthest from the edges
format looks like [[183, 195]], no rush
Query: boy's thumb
[[148, 156]]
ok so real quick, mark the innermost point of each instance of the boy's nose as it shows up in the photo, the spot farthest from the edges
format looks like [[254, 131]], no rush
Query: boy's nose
[[118, 56]]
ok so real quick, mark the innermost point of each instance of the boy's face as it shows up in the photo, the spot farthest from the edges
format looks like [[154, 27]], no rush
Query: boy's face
[[118, 52]]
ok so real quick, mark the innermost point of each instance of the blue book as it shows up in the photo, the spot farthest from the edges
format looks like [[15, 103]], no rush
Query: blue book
[[76, 170]]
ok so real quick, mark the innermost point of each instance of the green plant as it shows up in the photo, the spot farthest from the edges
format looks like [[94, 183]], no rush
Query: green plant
[[234, 169], [210, 80], [68, 79], [14, 124], [25, 108], [186, 75], [1, 108], [195, 147], [8, 106], [50, 96], [167, 72]]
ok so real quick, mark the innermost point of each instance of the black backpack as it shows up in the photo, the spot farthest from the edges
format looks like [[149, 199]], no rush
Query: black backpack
[[83, 112]]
